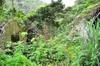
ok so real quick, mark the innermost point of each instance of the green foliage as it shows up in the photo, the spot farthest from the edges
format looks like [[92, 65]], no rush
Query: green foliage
[[3, 15], [3, 58], [59, 49], [48, 14], [79, 7], [1, 2], [87, 2], [18, 60], [88, 54], [38, 52], [46, 53]]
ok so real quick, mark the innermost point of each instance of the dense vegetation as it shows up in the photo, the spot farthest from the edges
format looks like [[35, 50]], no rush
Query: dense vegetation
[[41, 37]]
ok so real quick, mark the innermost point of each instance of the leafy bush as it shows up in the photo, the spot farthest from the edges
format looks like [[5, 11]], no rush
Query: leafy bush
[[38, 52], [18, 60]]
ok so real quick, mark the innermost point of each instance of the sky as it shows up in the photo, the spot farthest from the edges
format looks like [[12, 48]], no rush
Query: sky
[[66, 2]]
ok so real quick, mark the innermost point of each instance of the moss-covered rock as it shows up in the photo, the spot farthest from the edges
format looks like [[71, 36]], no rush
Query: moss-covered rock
[[10, 28]]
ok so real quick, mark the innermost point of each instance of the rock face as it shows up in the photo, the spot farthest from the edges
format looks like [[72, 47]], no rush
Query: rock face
[[79, 25], [8, 29], [2, 30], [11, 28]]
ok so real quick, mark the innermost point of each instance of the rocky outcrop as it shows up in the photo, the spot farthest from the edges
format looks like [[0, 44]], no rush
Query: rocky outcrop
[[2, 30], [7, 29], [78, 25]]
